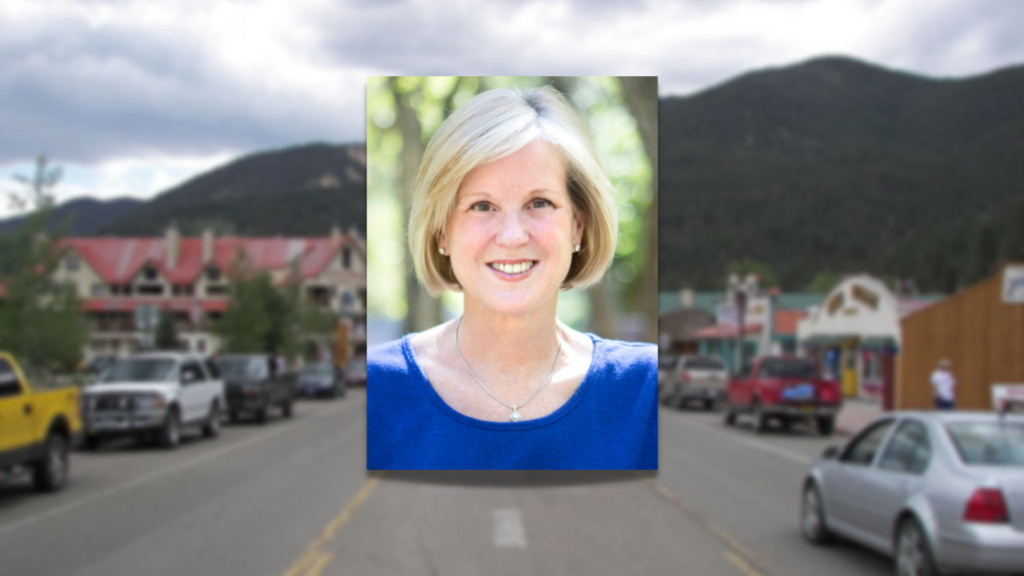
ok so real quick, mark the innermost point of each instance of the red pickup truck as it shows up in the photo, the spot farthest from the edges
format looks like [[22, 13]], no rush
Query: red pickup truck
[[785, 389]]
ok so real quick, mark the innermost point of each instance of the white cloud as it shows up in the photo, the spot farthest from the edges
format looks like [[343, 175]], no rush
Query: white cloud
[[95, 83]]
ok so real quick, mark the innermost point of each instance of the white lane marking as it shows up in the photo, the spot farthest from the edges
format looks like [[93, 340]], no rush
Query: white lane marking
[[183, 465], [508, 529], [763, 446]]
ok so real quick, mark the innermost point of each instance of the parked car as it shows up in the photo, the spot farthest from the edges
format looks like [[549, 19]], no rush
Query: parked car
[[355, 372], [939, 492], [255, 386], [784, 389], [321, 379], [700, 379], [666, 363], [153, 396], [38, 426]]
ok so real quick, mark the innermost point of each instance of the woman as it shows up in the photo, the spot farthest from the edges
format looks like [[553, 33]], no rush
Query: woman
[[511, 205]]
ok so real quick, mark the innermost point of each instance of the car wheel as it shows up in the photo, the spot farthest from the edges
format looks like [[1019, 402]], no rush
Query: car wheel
[[212, 426], [51, 473], [913, 554], [826, 425], [233, 417], [170, 433], [709, 405], [286, 408], [92, 441], [812, 516], [785, 424], [760, 421], [261, 415], [730, 416]]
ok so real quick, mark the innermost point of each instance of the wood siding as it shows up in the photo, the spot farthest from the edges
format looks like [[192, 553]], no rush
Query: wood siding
[[982, 336]]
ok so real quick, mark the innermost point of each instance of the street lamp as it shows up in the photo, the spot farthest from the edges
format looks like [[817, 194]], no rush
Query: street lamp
[[740, 292]]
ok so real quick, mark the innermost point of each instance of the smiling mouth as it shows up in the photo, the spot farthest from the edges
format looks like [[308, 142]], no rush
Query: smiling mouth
[[517, 268]]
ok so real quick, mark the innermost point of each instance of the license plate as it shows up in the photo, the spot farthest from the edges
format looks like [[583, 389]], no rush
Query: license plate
[[807, 408]]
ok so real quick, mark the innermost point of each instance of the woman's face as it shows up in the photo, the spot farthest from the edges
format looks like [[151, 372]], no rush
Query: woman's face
[[512, 234]]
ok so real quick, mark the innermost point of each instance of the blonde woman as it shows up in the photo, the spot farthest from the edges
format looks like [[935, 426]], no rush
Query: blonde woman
[[511, 205]]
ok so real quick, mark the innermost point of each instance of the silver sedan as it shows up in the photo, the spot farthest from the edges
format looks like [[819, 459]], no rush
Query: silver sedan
[[940, 492]]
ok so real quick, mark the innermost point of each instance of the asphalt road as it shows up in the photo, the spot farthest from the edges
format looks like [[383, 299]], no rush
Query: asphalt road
[[293, 498]]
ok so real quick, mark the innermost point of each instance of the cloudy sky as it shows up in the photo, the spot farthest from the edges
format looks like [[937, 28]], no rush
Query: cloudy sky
[[131, 97]]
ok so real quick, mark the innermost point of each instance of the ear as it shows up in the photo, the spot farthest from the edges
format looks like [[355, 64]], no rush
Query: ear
[[577, 227]]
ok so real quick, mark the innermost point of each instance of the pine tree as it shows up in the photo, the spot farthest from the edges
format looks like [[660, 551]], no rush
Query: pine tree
[[41, 321]]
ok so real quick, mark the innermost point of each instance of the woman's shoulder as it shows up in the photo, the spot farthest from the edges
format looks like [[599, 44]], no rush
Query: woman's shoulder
[[629, 355], [390, 358]]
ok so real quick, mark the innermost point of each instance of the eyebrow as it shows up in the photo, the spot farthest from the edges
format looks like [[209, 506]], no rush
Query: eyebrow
[[485, 195]]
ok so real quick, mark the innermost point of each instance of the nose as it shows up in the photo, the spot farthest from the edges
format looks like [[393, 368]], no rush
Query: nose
[[512, 231]]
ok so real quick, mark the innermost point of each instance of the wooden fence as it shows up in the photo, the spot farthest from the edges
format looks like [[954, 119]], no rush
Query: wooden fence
[[981, 335]]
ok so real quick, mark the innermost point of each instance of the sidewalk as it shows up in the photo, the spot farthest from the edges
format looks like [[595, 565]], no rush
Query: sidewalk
[[856, 413]]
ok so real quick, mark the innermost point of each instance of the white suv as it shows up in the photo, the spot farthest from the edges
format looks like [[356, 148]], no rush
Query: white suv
[[152, 396]]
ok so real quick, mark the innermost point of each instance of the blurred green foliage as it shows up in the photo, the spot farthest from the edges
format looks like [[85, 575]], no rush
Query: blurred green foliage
[[599, 102]]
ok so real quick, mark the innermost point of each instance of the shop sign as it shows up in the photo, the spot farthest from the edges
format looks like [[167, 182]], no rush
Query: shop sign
[[1002, 393], [1013, 285]]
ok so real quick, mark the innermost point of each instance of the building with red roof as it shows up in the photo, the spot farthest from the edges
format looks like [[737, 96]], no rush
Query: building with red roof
[[123, 282]]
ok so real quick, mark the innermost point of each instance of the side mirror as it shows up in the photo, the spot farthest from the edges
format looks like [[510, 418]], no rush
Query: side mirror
[[830, 453]]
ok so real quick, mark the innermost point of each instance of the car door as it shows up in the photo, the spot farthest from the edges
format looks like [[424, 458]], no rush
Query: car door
[[193, 394], [739, 387], [845, 479], [215, 383], [15, 412], [898, 474]]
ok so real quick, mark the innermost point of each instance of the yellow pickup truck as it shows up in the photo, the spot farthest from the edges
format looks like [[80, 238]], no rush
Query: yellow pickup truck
[[38, 427]]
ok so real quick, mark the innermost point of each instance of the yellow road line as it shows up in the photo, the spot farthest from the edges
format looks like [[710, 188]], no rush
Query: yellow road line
[[739, 563], [735, 549], [311, 558], [318, 566]]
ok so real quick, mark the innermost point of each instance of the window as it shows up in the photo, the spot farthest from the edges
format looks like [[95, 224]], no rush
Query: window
[[149, 272], [346, 258], [909, 450], [191, 372], [787, 368], [989, 443], [9, 384], [71, 262], [213, 273], [863, 448], [98, 290]]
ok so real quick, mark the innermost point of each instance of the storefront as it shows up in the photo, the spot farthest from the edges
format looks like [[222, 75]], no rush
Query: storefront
[[855, 336]]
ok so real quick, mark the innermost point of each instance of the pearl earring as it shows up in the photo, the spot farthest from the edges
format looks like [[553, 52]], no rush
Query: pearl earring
[[576, 248], [441, 250]]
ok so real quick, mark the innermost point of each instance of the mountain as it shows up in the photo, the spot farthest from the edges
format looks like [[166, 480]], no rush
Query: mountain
[[81, 216], [301, 191], [837, 165]]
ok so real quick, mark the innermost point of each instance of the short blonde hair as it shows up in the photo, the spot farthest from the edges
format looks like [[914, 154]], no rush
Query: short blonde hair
[[489, 127]]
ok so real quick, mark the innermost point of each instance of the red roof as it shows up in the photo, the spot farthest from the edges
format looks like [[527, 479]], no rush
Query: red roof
[[118, 260], [128, 304], [721, 331], [785, 320]]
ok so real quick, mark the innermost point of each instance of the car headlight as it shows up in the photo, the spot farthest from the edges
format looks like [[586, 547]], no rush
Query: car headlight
[[149, 402]]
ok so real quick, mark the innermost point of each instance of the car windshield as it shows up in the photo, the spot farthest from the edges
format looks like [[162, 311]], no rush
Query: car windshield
[[704, 364], [666, 362], [787, 369], [317, 370], [988, 443], [141, 370], [242, 367]]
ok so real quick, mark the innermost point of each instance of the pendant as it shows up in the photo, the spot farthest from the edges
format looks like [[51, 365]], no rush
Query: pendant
[[514, 416]]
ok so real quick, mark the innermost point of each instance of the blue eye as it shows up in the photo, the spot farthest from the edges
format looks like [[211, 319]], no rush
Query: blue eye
[[541, 203], [480, 207]]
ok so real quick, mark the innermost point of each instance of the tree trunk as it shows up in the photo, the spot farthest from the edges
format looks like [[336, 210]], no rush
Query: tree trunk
[[641, 95], [424, 311]]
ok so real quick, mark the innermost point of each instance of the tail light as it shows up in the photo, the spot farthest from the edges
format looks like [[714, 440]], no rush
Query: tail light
[[986, 506], [686, 376]]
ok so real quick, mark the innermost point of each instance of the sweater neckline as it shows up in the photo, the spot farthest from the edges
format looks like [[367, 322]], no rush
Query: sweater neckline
[[555, 416]]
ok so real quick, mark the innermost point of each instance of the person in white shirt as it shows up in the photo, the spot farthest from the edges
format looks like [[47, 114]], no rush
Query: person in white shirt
[[943, 385]]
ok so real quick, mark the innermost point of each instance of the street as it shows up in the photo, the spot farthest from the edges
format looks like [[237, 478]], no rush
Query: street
[[293, 498]]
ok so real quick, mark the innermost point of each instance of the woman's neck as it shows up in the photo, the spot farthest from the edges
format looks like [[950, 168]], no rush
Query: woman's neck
[[515, 347]]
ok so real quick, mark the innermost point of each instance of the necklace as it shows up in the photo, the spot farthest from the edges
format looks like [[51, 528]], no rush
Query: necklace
[[514, 416]]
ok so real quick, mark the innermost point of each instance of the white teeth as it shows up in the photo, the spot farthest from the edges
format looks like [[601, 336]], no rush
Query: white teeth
[[512, 268]]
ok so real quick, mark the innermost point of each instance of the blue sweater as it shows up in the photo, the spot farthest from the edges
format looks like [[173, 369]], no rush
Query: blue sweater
[[610, 423]]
